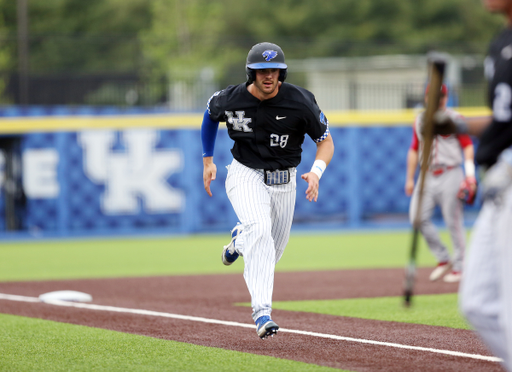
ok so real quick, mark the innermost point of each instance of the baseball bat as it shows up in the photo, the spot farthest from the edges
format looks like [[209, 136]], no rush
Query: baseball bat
[[437, 64]]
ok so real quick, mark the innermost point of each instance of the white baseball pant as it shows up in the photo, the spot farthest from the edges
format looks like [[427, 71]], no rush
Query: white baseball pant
[[442, 190], [266, 215], [486, 288]]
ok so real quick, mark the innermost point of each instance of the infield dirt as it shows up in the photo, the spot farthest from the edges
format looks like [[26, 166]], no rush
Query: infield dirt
[[215, 296]]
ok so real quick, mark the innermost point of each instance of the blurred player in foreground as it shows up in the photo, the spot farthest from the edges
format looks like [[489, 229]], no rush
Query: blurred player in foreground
[[486, 288], [268, 120], [446, 186]]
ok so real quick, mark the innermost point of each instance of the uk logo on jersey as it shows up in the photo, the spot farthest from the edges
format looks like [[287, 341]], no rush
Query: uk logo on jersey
[[239, 122], [323, 119], [269, 55]]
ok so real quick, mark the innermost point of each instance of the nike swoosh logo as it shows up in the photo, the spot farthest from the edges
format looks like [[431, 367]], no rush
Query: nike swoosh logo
[[280, 117]]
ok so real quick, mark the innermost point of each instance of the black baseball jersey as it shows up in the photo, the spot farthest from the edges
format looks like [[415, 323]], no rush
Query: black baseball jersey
[[498, 69], [269, 134]]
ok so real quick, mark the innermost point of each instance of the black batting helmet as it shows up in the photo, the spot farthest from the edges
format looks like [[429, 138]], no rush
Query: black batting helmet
[[262, 56]]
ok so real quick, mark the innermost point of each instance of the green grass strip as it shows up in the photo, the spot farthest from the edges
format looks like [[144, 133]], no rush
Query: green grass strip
[[436, 310], [104, 258], [28, 344]]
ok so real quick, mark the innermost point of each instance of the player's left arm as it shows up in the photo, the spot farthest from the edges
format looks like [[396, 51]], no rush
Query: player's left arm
[[468, 187], [468, 151], [469, 160], [324, 153]]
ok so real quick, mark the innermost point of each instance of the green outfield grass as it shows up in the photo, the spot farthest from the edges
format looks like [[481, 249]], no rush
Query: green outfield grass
[[94, 258], [436, 310], [31, 344]]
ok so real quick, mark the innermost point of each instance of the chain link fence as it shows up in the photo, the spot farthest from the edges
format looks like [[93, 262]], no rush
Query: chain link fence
[[187, 95], [362, 83]]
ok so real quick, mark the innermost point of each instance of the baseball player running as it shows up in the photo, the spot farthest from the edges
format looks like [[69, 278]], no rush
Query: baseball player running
[[485, 293], [445, 185], [267, 120]]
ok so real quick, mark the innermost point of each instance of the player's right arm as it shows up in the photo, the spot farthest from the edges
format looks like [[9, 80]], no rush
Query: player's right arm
[[412, 163], [209, 173], [208, 135]]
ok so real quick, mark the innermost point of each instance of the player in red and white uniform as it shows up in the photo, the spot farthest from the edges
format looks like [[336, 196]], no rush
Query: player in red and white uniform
[[444, 183]]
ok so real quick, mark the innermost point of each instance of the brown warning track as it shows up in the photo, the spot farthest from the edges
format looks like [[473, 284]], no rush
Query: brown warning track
[[214, 296]]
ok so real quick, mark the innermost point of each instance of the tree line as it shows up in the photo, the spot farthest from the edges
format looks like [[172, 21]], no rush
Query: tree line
[[174, 38]]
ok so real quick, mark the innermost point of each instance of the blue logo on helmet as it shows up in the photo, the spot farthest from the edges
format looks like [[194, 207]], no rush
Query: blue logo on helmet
[[269, 55]]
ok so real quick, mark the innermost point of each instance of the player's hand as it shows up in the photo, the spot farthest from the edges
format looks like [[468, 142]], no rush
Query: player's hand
[[467, 190], [209, 174], [409, 187], [313, 184]]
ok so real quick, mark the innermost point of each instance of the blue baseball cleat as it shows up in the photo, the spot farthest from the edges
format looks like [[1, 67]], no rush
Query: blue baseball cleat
[[266, 327], [229, 253]]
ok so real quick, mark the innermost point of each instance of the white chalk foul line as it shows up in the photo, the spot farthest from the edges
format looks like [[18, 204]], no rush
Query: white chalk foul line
[[243, 325]]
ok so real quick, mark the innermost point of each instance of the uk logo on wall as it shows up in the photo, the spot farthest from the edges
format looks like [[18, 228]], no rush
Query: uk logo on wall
[[134, 177]]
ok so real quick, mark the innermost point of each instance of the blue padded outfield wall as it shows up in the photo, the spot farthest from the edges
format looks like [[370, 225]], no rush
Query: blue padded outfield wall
[[149, 180]]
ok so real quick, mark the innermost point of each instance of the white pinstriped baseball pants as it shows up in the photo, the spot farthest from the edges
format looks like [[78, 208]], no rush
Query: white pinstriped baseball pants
[[266, 215], [486, 287]]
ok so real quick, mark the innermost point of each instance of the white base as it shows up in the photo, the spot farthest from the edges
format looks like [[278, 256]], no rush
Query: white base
[[74, 296]]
